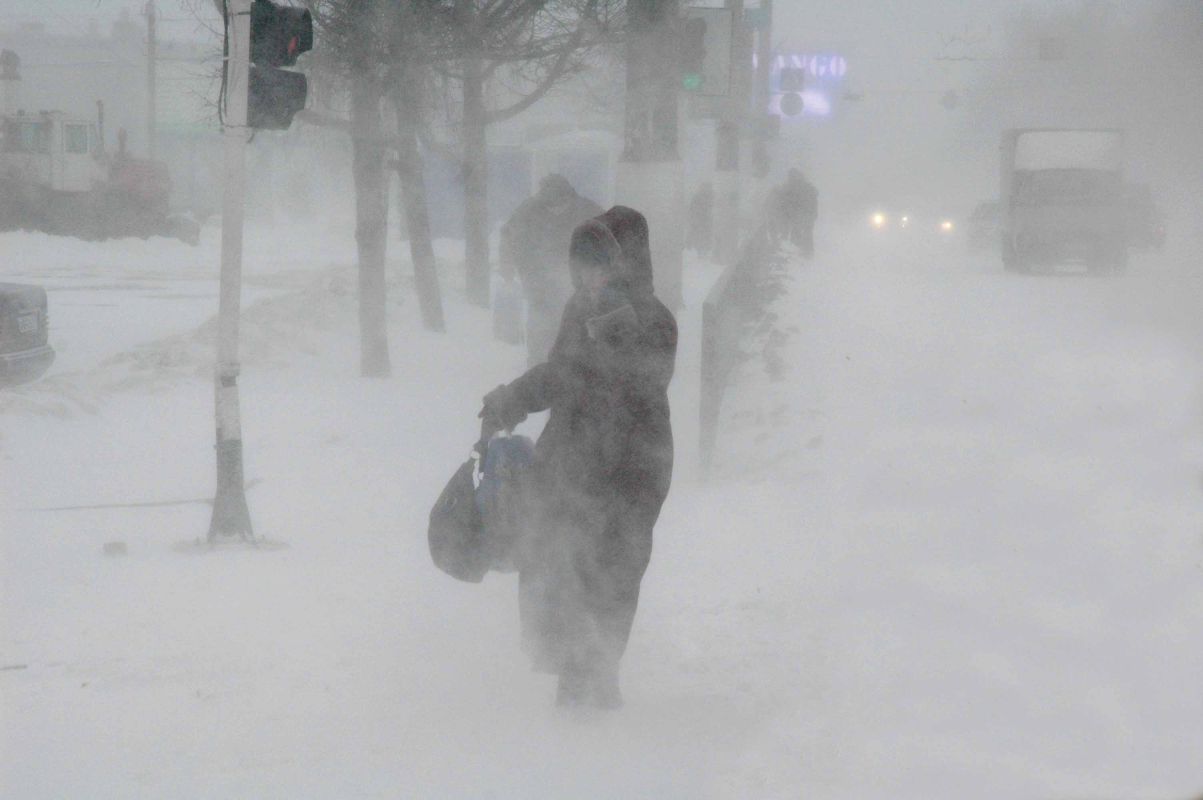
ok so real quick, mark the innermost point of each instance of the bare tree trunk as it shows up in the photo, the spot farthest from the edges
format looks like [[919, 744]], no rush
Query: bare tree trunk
[[371, 227], [650, 173], [476, 184], [413, 199], [651, 98]]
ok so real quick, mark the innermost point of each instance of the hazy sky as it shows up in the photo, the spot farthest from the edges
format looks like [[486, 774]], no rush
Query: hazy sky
[[802, 22], [881, 38], [865, 30], [915, 24], [56, 11]]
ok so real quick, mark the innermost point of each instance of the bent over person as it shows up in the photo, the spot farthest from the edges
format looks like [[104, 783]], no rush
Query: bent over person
[[603, 463]]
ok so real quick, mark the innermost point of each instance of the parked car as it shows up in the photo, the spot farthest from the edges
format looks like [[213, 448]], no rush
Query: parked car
[[982, 230], [25, 353]]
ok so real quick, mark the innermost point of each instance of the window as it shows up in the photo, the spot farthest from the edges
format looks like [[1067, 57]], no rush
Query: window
[[75, 138], [35, 137], [26, 137]]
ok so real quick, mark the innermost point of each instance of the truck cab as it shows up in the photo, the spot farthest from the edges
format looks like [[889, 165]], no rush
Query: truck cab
[[53, 150], [52, 170], [1062, 199]]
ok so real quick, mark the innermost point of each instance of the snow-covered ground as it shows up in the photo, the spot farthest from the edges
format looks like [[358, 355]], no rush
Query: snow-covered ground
[[953, 547]]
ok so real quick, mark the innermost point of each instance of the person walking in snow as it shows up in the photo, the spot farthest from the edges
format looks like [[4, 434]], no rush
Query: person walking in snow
[[603, 464], [795, 210], [533, 245]]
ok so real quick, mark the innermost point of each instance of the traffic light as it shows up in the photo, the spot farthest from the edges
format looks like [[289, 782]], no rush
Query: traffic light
[[273, 97], [279, 34], [693, 54]]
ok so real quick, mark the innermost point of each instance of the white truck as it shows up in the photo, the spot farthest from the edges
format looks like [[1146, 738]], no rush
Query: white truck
[[1062, 199], [56, 177]]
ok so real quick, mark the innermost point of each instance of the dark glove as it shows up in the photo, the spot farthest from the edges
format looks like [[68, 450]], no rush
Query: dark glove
[[498, 412], [489, 428]]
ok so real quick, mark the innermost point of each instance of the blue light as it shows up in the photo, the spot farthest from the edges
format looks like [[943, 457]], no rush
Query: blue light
[[825, 67], [817, 103], [822, 74]]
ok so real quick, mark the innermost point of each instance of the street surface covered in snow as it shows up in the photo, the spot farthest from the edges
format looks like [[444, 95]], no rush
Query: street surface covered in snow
[[951, 547]]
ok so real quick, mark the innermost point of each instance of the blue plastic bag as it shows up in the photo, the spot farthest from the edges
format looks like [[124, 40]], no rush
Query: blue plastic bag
[[501, 497]]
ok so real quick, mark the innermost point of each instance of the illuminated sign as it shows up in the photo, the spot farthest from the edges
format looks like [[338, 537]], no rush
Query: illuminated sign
[[819, 66], [802, 84], [794, 105]]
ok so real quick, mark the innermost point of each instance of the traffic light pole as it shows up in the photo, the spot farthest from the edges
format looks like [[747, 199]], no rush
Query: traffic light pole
[[231, 517], [152, 149], [764, 57]]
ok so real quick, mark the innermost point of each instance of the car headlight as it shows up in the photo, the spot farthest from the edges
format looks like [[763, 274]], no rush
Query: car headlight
[[904, 221], [946, 226], [878, 220]]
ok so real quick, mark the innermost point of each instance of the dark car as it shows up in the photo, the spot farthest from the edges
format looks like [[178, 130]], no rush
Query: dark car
[[24, 352], [982, 232]]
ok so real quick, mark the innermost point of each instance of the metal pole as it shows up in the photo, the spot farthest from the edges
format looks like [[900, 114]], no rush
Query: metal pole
[[10, 82], [726, 177], [230, 514], [152, 144], [764, 57]]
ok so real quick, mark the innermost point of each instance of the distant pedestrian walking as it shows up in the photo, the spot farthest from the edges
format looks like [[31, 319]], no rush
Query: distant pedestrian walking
[[794, 208], [534, 246]]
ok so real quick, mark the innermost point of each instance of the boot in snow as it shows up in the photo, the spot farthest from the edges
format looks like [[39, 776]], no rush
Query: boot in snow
[[572, 690], [604, 691]]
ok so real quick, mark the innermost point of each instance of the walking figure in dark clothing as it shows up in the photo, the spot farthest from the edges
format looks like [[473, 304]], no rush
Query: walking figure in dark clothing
[[534, 246], [795, 210], [603, 463]]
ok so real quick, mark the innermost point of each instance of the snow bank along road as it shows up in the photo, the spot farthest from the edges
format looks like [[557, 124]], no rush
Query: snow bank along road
[[962, 555], [107, 298]]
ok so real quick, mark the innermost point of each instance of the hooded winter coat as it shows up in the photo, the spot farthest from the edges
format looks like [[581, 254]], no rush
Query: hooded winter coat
[[603, 463]]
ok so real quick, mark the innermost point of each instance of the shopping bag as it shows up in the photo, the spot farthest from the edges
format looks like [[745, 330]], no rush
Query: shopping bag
[[456, 534]]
